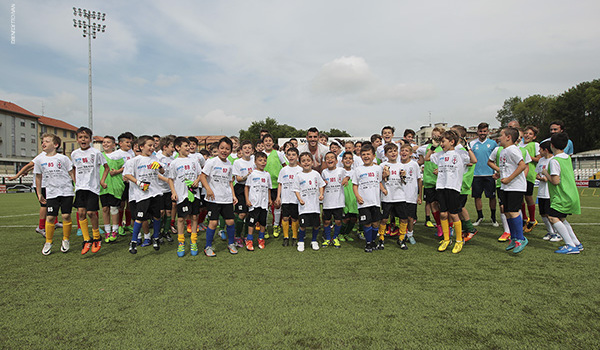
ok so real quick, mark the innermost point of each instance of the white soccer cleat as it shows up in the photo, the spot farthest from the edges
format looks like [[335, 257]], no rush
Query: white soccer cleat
[[65, 245], [47, 249], [314, 245], [300, 246]]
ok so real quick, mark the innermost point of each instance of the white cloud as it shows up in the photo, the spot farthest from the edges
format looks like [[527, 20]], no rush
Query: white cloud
[[218, 122], [166, 80]]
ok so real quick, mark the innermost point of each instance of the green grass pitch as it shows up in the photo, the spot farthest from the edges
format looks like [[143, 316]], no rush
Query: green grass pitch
[[279, 298]]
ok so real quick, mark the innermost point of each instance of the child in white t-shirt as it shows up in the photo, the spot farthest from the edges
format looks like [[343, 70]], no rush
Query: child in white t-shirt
[[391, 202], [309, 189], [169, 208], [333, 199], [286, 197], [451, 165], [242, 168], [367, 186], [257, 192], [412, 186], [87, 162], [217, 180], [184, 180], [55, 171], [543, 195]]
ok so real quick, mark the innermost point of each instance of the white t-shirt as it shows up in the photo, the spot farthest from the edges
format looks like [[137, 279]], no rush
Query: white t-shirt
[[120, 154], [166, 164], [308, 184], [220, 177], [380, 152], [87, 165], [543, 191], [140, 168], [357, 161], [554, 166], [199, 158], [34, 179], [509, 161], [182, 169], [451, 168], [333, 196], [411, 187], [319, 156], [368, 178], [55, 174], [287, 177], [242, 168], [393, 184], [259, 184]]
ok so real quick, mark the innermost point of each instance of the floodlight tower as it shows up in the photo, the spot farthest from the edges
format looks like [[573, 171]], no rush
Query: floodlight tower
[[89, 31]]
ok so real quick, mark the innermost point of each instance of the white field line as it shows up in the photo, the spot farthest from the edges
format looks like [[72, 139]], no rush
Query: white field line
[[16, 216], [590, 207]]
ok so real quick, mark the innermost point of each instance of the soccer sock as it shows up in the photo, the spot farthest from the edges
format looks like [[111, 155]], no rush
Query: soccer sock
[[156, 225], [458, 231], [505, 222], [115, 228], [511, 228], [172, 222], [295, 228], [42, 224], [67, 225], [571, 233], [519, 227], [210, 233], [402, 230], [250, 236], [285, 224], [445, 229], [479, 214], [230, 233], [409, 234], [523, 212], [531, 209], [147, 236], [181, 238], [301, 234], [436, 216], [194, 237], [83, 224], [261, 235], [493, 215], [96, 233], [276, 216], [381, 231], [327, 232], [137, 227], [78, 222], [369, 233], [548, 225], [558, 226], [107, 228], [315, 233], [336, 231], [427, 218], [468, 225], [121, 212], [50, 231]]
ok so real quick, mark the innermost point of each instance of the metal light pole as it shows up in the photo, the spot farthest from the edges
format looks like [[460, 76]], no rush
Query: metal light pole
[[89, 30]]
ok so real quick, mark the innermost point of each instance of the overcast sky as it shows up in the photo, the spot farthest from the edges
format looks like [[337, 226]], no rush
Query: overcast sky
[[213, 67]]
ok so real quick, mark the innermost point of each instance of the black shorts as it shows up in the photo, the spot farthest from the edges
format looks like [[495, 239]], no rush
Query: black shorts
[[289, 210], [310, 220], [147, 209], [186, 208], [556, 214], [449, 201], [108, 200], [499, 195], [349, 215], [482, 184], [463, 200], [86, 199], [530, 186], [273, 194], [241, 206], [125, 195], [257, 215], [512, 200], [336, 214], [43, 195], [397, 209], [411, 210], [430, 195], [369, 215], [132, 208], [65, 204], [167, 202], [215, 210], [544, 205]]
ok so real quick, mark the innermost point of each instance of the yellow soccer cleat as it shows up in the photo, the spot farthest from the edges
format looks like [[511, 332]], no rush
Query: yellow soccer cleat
[[444, 245], [457, 247]]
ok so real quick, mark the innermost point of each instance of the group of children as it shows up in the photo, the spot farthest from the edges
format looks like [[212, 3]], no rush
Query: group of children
[[378, 183]]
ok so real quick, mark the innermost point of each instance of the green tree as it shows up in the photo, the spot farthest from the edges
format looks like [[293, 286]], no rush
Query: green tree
[[507, 112], [337, 133], [281, 130], [533, 110]]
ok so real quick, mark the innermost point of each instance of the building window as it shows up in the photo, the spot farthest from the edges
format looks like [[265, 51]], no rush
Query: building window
[[22, 123], [33, 153], [64, 133], [23, 152], [55, 131], [23, 138], [44, 129], [33, 125], [72, 135], [33, 139]]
